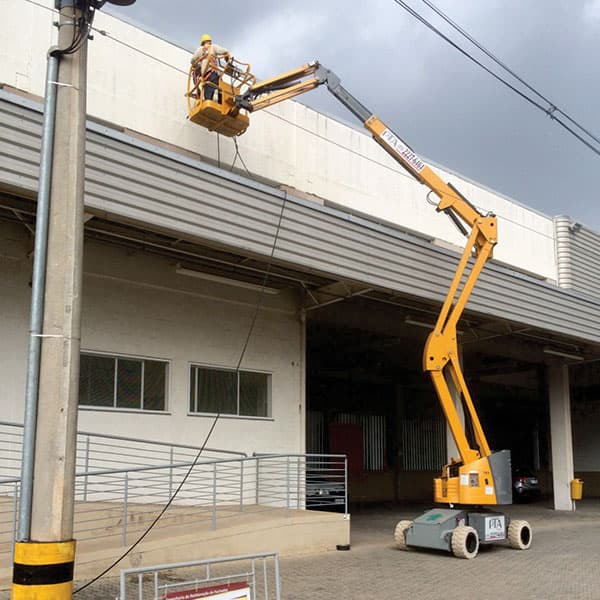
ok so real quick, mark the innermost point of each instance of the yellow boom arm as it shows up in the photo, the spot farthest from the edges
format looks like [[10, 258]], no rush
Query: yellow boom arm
[[481, 476]]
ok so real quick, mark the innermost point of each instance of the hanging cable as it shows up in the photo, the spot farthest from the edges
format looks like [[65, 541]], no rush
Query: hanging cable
[[258, 305], [82, 27], [238, 155], [157, 518]]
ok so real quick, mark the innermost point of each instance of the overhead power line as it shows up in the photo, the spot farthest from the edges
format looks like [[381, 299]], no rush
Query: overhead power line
[[551, 105], [551, 109]]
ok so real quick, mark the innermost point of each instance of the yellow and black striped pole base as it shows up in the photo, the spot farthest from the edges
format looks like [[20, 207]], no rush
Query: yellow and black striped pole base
[[43, 570]]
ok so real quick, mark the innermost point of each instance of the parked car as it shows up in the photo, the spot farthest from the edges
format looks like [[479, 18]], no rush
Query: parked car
[[525, 485], [324, 493]]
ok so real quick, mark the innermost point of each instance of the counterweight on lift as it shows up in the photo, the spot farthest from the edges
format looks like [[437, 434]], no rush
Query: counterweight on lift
[[479, 477]]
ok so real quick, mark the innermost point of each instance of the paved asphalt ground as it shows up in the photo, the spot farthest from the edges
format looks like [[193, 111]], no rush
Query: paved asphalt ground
[[563, 563]]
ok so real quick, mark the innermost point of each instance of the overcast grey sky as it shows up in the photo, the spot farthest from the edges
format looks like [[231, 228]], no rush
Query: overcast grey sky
[[448, 109]]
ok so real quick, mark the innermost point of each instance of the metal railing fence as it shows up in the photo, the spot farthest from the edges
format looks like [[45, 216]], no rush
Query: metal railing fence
[[121, 503], [103, 451], [257, 573]]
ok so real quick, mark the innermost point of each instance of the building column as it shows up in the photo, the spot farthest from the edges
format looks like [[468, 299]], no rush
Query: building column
[[560, 435], [302, 410]]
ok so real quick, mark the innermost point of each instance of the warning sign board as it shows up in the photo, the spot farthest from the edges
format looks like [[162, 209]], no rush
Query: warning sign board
[[223, 591]]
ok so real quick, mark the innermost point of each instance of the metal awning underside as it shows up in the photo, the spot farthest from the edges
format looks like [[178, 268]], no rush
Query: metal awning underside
[[130, 182]]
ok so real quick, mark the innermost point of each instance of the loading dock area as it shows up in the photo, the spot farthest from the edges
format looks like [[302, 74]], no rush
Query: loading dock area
[[561, 564], [364, 376]]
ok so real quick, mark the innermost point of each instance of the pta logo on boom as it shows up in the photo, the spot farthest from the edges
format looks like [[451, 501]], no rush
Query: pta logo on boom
[[403, 151]]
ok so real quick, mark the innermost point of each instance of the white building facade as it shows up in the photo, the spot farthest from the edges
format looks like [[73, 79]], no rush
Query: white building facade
[[167, 317]]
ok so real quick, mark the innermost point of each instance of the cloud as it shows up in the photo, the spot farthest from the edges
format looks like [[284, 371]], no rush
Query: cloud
[[279, 40], [591, 11]]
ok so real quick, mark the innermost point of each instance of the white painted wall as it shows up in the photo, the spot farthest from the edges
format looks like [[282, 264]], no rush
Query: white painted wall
[[136, 305], [289, 144]]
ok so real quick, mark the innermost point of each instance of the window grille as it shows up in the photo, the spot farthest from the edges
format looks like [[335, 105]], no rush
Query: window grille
[[124, 382], [230, 392]]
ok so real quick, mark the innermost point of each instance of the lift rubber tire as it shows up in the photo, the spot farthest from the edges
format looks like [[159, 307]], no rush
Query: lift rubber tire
[[400, 534], [465, 542], [519, 535]]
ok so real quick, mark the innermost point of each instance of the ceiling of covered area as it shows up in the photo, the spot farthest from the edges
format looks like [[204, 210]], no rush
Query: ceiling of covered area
[[384, 328]]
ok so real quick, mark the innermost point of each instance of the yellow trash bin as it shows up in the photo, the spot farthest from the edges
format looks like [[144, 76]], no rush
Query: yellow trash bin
[[576, 489]]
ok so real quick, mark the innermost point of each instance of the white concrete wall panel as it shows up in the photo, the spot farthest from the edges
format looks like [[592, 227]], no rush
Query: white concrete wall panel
[[289, 144], [136, 305], [26, 32]]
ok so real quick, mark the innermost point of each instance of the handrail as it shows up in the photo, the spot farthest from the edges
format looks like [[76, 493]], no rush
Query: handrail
[[11, 480], [311, 454], [141, 441], [249, 574], [210, 461], [160, 443], [118, 502], [193, 563], [143, 469]]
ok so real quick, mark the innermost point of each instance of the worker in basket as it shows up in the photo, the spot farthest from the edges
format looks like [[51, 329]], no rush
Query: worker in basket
[[205, 64]]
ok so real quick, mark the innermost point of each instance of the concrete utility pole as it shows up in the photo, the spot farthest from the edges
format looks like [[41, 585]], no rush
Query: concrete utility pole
[[43, 564], [44, 555], [52, 508]]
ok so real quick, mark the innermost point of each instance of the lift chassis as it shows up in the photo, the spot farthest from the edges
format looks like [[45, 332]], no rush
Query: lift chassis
[[461, 531], [479, 477]]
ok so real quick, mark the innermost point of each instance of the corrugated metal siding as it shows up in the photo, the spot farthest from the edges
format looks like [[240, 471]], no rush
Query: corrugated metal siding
[[373, 429], [316, 432], [423, 444], [20, 131], [134, 180], [578, 257], [374, 438]]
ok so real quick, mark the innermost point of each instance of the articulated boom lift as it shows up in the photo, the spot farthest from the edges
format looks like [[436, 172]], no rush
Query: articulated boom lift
[[479, 477]]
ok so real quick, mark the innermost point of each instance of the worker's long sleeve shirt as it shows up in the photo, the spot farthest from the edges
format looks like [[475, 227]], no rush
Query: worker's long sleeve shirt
[[207, 55]]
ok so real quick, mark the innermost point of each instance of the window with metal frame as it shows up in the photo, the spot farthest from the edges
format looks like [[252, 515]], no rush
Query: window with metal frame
[[230, 392], [123, 382]]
